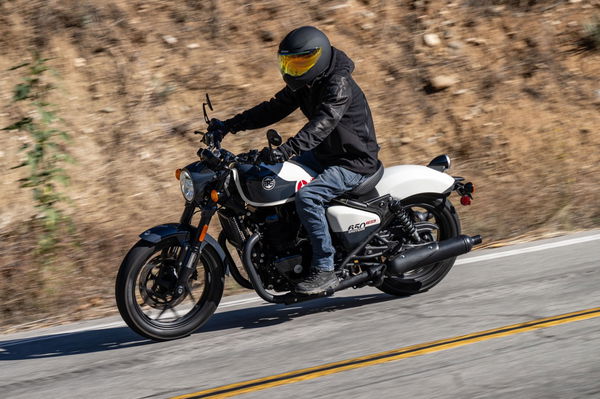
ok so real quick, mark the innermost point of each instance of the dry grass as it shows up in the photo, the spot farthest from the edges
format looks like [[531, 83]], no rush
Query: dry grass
[[522, 122]]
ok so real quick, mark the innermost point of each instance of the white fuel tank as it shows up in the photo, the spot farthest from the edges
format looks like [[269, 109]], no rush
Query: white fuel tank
[[403, 181], [269, 185]]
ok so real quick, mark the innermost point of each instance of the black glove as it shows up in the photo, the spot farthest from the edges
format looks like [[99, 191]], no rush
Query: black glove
[[216, 131], [276, 155], [218, 128]]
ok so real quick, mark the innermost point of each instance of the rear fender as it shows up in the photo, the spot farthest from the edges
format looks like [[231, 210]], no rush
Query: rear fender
[[404, 181], [182, 234]]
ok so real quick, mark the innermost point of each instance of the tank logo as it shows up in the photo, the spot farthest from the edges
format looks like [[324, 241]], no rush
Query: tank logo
[[268, 183], [301, 184]]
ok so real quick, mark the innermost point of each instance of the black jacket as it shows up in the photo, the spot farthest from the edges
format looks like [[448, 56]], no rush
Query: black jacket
[[340, 127]]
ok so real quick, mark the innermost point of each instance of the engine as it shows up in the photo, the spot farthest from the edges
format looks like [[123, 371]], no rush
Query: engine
[[286, 249], [282, 257], [281, 231]]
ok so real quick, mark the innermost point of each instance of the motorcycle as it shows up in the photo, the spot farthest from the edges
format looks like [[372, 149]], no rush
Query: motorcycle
[[397, 231]]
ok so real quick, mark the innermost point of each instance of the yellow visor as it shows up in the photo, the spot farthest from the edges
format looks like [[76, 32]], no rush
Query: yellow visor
[[299, 63]]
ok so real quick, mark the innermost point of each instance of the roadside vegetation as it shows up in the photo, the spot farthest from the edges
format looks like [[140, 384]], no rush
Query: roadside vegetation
[[44, 154], [47, 232]]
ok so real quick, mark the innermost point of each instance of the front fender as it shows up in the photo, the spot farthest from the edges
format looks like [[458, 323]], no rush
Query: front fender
[[182, 234]]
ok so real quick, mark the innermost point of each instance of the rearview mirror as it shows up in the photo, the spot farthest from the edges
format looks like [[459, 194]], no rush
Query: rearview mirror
[[206, 118], [274, 138]]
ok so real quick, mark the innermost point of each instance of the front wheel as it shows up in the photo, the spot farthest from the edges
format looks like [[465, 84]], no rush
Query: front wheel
[[145, 286], [435, 220]]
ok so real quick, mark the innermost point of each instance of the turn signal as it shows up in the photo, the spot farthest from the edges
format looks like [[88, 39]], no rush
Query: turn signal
[[203, 233], [214, 195], [177, 173]]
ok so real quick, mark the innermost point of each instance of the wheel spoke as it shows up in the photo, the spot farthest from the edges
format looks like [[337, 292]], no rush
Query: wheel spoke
[[189, 288], [145, 298], [177, 317], [161, 313]]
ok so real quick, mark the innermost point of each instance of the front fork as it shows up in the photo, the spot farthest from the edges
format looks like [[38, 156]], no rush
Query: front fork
[[192, 252]]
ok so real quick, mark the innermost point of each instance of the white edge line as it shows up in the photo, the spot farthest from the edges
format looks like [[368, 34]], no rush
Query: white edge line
[[474, 259], [536, 248]]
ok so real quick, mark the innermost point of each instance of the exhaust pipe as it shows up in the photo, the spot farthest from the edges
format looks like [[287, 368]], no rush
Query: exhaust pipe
[[431, 253]]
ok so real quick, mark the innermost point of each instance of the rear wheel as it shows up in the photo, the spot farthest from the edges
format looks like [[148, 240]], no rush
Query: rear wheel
[[145, 290], [435, 220]]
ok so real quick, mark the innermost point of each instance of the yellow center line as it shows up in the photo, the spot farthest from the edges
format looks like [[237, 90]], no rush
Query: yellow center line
[[238, 388]]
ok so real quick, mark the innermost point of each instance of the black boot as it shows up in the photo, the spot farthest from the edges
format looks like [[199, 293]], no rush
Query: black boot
[[317, 282]]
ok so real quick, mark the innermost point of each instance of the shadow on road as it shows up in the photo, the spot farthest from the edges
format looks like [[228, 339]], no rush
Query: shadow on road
[[264, 316], [122, 337], [71, 344]]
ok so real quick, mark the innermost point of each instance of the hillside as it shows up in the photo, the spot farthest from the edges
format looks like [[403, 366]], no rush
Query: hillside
[[510, 89]]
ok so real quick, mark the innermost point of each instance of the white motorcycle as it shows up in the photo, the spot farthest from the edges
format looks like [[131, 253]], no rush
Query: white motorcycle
[[397, 231]]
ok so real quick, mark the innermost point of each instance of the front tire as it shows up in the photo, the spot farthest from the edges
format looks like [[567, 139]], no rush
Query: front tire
[[144, 286], [440, 212]]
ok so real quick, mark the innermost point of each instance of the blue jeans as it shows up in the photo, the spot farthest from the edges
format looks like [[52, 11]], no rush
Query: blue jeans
[[311, 199]]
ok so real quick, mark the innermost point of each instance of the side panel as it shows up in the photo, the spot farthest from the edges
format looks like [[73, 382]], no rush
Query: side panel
[[343, 218], [351, 226], [403, 181]]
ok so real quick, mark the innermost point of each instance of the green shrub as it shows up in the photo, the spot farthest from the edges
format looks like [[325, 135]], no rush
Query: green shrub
[[44, 154]]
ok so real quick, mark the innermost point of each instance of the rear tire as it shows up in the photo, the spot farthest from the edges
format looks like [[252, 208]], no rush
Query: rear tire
[[424, 278], [143, 289]]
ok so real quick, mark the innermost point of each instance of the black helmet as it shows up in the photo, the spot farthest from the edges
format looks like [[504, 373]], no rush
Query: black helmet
[[304, 54]]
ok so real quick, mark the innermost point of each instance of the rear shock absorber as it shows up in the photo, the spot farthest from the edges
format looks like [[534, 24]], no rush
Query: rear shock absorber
[[405, 221]]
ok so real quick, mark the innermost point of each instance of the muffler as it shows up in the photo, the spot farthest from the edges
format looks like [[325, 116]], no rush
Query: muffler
[[431, 253]]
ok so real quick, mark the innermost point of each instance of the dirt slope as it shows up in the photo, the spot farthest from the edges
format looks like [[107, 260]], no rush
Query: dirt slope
[[520, 116]]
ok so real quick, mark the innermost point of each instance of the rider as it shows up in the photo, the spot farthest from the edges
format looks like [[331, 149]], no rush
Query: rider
[[338, 141]]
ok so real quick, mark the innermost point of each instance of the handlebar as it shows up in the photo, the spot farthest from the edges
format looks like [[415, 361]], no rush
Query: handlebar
[[250, 157], [214, 154]]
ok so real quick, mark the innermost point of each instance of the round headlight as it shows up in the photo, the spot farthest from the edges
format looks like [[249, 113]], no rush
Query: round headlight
[[187, 185]]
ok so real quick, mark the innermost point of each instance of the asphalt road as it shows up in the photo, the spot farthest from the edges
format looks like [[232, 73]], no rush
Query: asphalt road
[[247, 339]]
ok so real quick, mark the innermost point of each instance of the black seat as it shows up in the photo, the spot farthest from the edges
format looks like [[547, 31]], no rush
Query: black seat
[[368, 186]]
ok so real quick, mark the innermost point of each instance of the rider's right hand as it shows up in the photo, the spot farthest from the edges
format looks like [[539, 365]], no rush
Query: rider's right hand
[[264, 156]]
